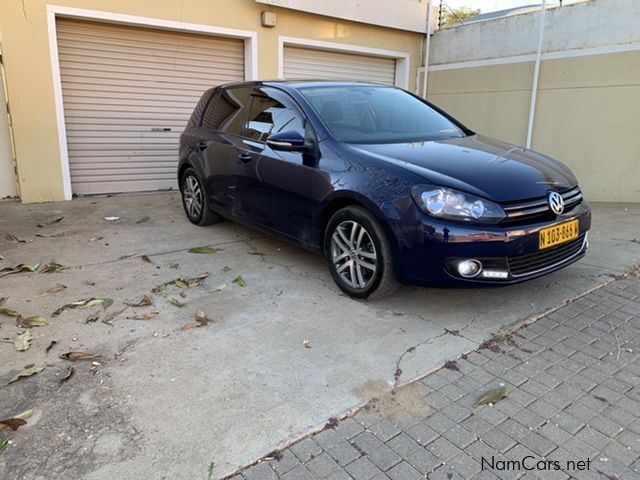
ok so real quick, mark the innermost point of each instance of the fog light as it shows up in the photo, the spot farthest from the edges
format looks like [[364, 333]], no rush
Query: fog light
[[469, 268]]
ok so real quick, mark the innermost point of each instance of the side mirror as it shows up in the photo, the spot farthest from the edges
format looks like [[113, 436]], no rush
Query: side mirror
[[289, 141]]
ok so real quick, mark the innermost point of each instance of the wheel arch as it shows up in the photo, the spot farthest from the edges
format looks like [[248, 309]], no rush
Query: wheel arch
[[346, 199]]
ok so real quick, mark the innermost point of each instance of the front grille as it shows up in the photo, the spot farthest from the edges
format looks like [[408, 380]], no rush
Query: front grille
[[537, 261], [539, 208]]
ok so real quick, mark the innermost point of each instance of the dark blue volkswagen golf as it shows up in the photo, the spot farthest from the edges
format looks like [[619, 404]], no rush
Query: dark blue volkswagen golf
[[386, 186]]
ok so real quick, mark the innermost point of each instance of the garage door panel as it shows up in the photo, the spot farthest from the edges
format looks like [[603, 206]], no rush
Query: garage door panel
[[119, 83], [307, 63]]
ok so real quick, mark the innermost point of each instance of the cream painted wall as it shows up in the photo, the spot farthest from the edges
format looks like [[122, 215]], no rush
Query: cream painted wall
[[24, 36], [7, 173], [586, 114]]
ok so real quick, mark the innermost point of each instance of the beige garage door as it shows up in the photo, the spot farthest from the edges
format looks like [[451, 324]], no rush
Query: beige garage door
[[307, 63], [128, 93]]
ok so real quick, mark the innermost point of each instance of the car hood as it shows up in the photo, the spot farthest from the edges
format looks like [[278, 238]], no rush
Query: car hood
[[479, 165]]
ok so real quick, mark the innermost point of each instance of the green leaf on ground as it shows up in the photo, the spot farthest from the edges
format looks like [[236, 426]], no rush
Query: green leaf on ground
[[86, 303], [144, 220], [204, 250], [3, 444], [23, 341], [240, 281], [177, 303], [221, 287], [492, 396], [181, 283]]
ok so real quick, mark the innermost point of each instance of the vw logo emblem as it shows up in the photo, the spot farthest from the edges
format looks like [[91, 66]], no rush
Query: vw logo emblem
[[556, 202]]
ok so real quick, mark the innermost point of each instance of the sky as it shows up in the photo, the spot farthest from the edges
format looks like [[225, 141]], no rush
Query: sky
[[493, 5]]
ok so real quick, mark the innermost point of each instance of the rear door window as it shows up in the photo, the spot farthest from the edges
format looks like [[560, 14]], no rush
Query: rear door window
[[227, 112]]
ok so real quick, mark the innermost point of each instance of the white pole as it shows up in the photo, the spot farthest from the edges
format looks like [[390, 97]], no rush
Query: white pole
[[536, 75], [427, 45]]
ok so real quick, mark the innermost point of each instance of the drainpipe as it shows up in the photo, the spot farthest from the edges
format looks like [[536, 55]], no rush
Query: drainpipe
[[536, 75], [427, 45]]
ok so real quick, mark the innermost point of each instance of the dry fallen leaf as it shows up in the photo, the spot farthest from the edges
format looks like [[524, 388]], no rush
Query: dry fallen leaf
[[68, 374], [52, 267], [204, 250], [23, 341], [52, 343], [58, 288], [78, 356], [7, 311], [202, 318], [35, 321], [19, 269], [306, 344], [112, 316], [221, 287], [12, 238], [86, 303], [27, 373], [92, 318], [146, 316], [16, 421], [177, 303], [144, 220], [143, 302], [492, 396], [145, 258], [50, 235]]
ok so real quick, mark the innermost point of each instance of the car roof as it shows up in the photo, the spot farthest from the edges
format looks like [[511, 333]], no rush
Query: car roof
[[300, 83]]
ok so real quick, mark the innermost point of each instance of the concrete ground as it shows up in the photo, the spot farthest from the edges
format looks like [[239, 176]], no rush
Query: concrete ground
[[571, 410], [168, 400]]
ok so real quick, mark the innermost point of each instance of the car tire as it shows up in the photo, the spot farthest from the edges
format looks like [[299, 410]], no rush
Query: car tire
[[359, 255], [194, 200]]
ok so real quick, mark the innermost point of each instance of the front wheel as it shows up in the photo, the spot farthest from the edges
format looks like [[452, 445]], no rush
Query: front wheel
[[194, 200], [359, 254]]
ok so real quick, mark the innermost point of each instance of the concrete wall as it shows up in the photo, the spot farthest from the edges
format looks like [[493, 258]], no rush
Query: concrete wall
[[25, 39], [589, 89], [7, 172]]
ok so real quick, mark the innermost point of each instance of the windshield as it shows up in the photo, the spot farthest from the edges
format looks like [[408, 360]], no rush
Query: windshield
[[378, 114]]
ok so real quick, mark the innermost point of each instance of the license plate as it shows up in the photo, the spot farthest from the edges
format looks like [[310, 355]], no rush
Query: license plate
[[558, 234]]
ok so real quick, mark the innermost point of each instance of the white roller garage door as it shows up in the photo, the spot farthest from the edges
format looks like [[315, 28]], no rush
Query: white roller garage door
[[307, 63], [128, 93]]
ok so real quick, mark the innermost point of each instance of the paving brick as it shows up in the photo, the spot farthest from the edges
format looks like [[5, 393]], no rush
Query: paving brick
[[629, 439], [623, 454], [439, 422], [498, 440], [404, 471], [260, 471], [538, 444], [343, 453], [403, 445], [322, 465], [460, 436], [362, 469], [306, 449], [339, 475], [513, 428], [288, 461], [384, 430], [366, 442], [423, 434], [299, 473], [348, 428], [327, 438], [455, 412], [443, 449], [424, 461], [384, 458]]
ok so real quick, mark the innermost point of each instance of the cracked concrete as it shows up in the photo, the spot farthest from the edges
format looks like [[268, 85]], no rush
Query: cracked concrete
[[168, 401]]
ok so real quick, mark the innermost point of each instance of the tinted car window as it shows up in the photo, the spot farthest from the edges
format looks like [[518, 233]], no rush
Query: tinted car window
[[372, 114], [228, 111], [272, 111]]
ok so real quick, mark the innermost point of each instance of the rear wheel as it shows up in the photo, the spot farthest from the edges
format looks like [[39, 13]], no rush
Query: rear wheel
[[359, 254], [194, 200]]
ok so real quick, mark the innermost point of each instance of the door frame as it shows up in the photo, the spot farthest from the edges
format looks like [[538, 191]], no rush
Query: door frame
[[403, 59], [56, 11]]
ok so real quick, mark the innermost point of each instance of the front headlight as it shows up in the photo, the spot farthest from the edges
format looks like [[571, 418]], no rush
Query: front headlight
[[448, 203]]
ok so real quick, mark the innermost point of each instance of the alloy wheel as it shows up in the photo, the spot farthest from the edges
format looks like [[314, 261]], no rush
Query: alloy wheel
[[192, 196], [354, 254]]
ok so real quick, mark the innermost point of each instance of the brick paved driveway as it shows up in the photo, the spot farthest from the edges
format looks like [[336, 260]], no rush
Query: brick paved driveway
[[574, 381]]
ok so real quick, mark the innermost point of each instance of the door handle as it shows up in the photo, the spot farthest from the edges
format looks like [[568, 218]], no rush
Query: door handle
[[202, 146], [244, 157]]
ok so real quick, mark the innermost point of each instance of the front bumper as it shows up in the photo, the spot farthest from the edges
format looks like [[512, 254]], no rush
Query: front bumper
[[430, 252]]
